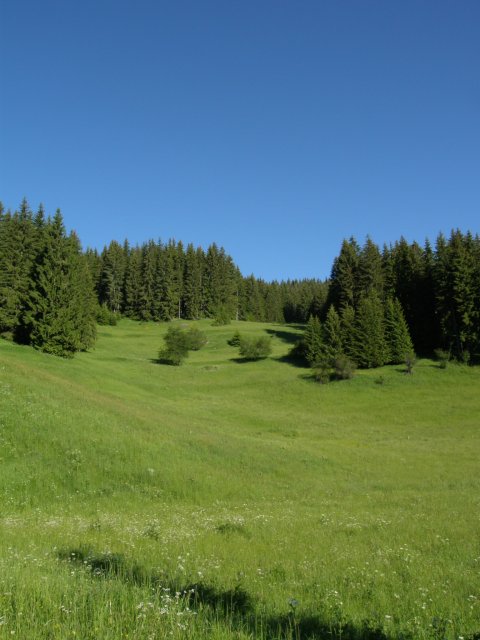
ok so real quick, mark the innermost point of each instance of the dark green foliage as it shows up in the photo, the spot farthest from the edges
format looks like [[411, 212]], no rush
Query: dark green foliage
[[104, 316], [314, 347], [112, 276], [192, 283], [176, 346], [344, 277], [370, 276], [332, 335], [60, 311], [221, 317], [457, 285], [132, 288], [255, 348], [347, 326], [18, 245], [397, 335], [196, 339], [369, 348], [235, 339], [253, 307]]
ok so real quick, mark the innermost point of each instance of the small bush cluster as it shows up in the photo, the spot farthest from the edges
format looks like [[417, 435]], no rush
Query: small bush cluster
[[235, 339], [221, 317], [442, 357], [104, 316], [179, 342], [254, 348]]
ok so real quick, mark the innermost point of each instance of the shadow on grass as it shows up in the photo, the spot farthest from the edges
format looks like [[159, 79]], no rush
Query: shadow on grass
[[240, 360], [169, 363], [293, 360], [286, 336], [236, 605]]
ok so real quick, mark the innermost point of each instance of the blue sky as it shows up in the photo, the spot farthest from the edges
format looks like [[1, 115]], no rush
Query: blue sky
[[274, 128]]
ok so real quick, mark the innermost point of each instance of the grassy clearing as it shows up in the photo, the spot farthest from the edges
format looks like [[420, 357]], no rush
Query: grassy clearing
[[228, 499]]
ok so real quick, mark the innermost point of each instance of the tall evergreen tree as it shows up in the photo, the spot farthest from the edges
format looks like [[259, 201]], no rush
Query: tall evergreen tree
[[397, 335], [17, 253], [112, 276], [60, 310], [347, 326], [332, 333], [192, 283], [147, 310], [370, 275], [343, 278], [132, 287], [314, 345], [369, 346]]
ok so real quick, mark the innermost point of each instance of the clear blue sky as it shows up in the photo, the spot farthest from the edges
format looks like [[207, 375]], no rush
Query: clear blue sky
[[274, 128]]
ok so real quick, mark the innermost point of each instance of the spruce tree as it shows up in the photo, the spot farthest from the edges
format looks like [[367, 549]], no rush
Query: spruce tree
[[192, 283], [344, 275], [397, 335], [347, 325], [332, 335], [132, 286], [60, 309], [146, 301], [17, 253], [369, 346], [370, 275], [112, 276], [314, 346]]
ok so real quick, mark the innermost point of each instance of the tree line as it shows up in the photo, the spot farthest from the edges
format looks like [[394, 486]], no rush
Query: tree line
[[52, 292], [436, 290]]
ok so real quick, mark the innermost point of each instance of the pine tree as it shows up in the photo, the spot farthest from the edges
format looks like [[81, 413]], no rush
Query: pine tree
[[254, 304], [370, 275], [274, 303], [369, 347], [347, 325], [146, 301], [343, 278], [60, 309], [133, 284], [397, 335], [314, 346], [112, 276], [457, 294], [18, 241], [332, 335], [192, 283]]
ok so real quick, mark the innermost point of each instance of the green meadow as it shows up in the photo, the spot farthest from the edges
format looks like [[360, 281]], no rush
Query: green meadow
[[229, 499]]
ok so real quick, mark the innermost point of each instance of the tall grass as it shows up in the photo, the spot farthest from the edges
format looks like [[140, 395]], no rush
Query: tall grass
[[230, 499]]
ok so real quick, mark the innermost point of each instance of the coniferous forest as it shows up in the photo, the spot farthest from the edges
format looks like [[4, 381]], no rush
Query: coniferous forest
[[377, 306]]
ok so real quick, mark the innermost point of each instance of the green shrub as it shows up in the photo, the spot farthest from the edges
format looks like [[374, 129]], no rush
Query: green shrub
[[196, 339], [255, 348], [235, 339], [344, 368], [322, 373], [410, 360], [176, 347], [221, 317], [105, 317], [442, 357]]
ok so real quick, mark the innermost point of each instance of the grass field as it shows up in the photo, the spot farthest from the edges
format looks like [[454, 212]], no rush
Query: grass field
[[228, 499]]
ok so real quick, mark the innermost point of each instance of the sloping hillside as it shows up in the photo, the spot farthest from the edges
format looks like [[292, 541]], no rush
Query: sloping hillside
[[282, 508]]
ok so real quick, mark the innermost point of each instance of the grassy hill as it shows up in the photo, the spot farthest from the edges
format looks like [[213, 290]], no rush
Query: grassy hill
[[229, 499]]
